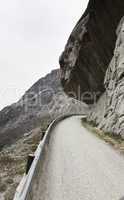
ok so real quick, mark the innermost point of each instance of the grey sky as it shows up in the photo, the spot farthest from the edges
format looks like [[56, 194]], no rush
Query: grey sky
[[32, 36]]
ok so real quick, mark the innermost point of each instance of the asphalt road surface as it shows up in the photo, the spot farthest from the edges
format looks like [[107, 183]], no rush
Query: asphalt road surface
[[80, 166]]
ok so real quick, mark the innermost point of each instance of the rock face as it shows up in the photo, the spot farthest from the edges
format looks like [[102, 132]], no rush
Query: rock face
[[92, 63], [90, 49], [112, 119], [45, 100]]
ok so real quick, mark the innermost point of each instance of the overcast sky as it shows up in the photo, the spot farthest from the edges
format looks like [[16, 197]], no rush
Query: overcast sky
[[33, 34]]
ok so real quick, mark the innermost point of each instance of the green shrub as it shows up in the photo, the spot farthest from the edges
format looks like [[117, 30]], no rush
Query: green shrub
[[3, 187], [9, 181]]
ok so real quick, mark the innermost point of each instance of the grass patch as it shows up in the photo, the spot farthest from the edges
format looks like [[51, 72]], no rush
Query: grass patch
[[114, 140]]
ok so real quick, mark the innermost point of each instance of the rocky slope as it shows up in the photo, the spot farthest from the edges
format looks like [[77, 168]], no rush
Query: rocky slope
[[88, 63], [44, 101], [13, 161], [90, 49]]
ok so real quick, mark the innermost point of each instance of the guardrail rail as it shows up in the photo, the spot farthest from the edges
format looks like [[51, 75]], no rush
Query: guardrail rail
[[29, 183]]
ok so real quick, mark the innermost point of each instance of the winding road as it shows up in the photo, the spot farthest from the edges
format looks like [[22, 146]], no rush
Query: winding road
[[79, 166]]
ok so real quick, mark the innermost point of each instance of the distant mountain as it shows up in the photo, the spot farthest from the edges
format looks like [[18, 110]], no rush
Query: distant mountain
[[44, 101]]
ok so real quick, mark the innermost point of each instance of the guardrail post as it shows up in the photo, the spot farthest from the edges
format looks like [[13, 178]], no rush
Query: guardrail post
[[43, 134], [29, 162]]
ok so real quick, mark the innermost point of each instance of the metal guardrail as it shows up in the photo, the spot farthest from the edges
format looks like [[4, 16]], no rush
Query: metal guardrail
[[29, 183]]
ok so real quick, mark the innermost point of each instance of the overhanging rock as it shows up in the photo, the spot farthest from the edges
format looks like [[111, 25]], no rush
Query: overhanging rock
[[90, 49]]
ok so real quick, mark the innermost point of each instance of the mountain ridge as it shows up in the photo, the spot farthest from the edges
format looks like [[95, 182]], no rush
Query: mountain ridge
[[44, 101]]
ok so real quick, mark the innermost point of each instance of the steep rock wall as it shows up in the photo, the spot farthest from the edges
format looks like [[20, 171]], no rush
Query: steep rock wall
[[90, 48], [111, 119]]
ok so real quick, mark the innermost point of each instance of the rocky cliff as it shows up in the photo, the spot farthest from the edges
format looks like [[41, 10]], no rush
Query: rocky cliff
[[93, 62], [111, 116], [42, 103], [90, 49]]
